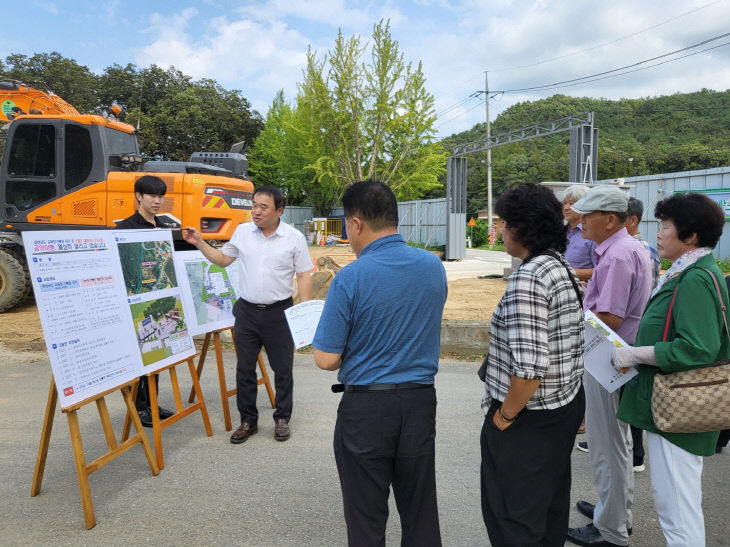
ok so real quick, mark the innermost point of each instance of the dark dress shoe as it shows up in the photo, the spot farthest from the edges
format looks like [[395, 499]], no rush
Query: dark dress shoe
[[587, 535], [242, 434], [145, 416], [281, 430], [585, 508], [164, 413]]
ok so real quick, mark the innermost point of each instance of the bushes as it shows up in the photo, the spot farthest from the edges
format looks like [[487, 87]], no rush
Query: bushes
[[479, 234]]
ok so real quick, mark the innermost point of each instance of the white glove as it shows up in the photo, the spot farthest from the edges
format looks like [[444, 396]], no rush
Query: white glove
[[630, 357]]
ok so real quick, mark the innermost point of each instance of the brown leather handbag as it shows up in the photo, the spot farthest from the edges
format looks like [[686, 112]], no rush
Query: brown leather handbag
[[695, 400]]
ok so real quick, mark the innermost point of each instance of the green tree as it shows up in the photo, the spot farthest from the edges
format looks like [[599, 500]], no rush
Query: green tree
[[203, 116], [73, 82], [355, 119], [269, 156]]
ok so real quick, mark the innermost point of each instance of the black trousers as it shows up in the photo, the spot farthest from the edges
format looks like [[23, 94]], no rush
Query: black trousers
[[637, 436], [385, 438], [142, 401], [525, 475], [252, 329]]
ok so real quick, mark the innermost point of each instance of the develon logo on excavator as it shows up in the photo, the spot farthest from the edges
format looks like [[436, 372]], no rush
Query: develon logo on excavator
[[217, 198]]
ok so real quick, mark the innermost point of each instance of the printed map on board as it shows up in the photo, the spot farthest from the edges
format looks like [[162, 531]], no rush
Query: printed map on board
[[147, 266], [212, 291]]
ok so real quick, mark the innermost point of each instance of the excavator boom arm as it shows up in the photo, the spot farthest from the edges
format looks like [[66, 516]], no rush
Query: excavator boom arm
[[17, 99]]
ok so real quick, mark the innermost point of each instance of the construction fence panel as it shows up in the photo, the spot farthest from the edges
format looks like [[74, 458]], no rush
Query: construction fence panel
[[297, 216], [419, 221], [651, 189]]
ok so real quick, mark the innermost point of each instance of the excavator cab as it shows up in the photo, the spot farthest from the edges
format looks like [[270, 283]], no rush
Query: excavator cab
[[45, 159]]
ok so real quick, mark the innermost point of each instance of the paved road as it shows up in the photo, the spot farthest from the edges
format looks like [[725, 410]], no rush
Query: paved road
[[478, 262], [261, 492]]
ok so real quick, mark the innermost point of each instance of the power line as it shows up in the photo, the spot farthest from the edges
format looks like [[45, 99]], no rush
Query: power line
[[621, 71], [504, 69], [639, 69], [458, 115], [455, 105], [594, 77]]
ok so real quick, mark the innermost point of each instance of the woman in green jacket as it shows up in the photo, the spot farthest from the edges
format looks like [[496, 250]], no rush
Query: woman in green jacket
[[691, 226]]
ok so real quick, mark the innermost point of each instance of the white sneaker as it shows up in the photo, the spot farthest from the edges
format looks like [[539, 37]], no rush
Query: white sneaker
[[639, 468], [582, 446]]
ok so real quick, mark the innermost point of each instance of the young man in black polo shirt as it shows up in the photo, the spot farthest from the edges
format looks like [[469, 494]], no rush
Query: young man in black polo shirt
[[149, 191]]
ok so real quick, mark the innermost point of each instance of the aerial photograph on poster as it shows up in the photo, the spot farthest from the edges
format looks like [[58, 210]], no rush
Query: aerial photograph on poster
[[147, 266], [160, 328], [212, 290]]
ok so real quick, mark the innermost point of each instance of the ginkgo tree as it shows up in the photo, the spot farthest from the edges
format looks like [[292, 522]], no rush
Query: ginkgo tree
[[361, 112]]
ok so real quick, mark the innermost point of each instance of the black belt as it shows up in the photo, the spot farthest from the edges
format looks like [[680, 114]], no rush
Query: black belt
[[339, 388], [266, 306]]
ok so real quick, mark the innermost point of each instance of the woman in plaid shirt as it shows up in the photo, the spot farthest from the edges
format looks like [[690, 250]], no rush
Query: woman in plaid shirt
[[533, 400]]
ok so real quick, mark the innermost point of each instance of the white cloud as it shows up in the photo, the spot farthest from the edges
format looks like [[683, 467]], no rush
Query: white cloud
[[50, 7], [330, 12], [257, 57], [261, 46], [503, 35]]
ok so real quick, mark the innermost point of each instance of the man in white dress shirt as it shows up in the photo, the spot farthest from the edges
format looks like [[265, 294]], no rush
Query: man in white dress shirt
[[271, 252]]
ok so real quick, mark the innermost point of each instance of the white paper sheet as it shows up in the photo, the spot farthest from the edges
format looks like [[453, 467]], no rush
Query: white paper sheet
[[600, 345], [303, 320]]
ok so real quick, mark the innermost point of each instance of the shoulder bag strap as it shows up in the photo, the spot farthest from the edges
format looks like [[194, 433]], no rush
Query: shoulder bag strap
[[571, 275], [669, 314], [671, 305]]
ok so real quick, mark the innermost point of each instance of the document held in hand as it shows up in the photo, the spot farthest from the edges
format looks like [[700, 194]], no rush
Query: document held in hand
[[303, 320], [600, 345]]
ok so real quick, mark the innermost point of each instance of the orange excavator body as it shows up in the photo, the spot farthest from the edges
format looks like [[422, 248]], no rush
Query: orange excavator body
[[68, 171]]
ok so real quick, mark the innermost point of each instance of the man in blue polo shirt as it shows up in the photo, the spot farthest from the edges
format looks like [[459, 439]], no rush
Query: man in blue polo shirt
[[381, 328]]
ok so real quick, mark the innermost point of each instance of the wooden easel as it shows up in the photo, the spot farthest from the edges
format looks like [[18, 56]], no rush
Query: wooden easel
[[225, 392], [83, 470], [180, 412]]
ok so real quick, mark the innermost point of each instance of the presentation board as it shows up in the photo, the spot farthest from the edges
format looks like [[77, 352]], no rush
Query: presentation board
[[110, 306], [208, 291]]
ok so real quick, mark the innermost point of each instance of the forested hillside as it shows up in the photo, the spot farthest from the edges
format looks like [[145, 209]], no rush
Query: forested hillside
[[665, 134]]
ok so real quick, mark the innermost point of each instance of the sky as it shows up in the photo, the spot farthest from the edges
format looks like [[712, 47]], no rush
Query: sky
[[260, 46]]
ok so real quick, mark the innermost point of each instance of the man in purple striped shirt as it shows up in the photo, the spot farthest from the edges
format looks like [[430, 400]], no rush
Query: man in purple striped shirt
[[617, 293]]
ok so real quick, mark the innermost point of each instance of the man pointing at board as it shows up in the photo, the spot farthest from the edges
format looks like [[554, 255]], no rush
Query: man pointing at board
[[271, 253]]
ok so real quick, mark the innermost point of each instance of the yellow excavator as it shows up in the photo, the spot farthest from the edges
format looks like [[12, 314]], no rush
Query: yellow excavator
[[62, 170]]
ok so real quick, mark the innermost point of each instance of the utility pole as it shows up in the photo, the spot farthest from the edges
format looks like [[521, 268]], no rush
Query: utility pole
[[489, 157]]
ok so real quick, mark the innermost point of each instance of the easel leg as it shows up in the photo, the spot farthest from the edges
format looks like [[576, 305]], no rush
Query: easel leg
[[201, 401], [265, 380], [133, 410], [106, 423], [128, 396], [78, 449], [156, 429], [201, 362], [40, 463], [222, 380]]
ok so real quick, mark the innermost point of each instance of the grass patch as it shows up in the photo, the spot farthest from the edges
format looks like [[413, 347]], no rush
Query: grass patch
[[723, 264], [441, 248]]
